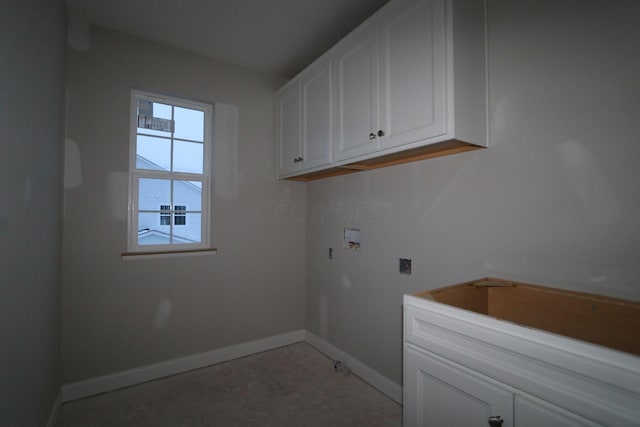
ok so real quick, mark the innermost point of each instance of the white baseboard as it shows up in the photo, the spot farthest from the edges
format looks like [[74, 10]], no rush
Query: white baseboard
[[92, 386], [55, 410], [368, 374], [80, 389]]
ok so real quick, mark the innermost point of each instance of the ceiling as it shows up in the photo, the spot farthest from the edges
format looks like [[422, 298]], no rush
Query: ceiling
[[276, 37]]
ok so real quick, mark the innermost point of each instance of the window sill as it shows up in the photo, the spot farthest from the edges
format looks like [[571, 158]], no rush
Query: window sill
[[167, 254]]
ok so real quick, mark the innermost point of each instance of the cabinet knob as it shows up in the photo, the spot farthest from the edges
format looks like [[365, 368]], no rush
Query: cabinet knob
[[496, 421], [380, 133], [297, 159], [372, 135]]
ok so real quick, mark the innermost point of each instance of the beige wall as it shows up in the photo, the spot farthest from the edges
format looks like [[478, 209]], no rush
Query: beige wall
[[120, 314], [31, 128], [555, 200]]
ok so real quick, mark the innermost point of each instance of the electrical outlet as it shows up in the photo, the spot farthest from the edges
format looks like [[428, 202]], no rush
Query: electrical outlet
[[405, 266]]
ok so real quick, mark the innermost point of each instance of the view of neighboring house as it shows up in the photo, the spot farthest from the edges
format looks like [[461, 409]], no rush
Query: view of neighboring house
[[159, 221]]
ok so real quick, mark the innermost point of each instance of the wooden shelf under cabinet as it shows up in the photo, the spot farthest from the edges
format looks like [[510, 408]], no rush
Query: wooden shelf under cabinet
[[439, 149]]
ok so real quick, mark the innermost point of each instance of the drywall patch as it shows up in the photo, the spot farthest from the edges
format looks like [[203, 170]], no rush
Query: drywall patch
[[323, 316], [589, 183], [504, 116], [435, 215], [346, 282], [115, 203], [225, 141], [72, 164], [163, 313], [27, 191], [78, 37]]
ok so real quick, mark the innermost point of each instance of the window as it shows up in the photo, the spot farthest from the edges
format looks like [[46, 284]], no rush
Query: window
[[170, 174], [165, 214], [180, 216]]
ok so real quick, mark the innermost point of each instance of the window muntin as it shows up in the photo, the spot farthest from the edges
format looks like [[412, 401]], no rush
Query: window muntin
[[169, 174]]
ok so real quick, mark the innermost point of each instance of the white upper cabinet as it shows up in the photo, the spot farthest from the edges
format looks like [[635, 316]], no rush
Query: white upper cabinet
[[411, 76], [304, 109], [356, 93], [395, 79], [412, 73], [317, 113], [289, 128]]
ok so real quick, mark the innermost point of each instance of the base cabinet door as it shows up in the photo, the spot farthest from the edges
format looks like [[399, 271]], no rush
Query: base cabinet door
[[532, 412], [463, 368], [440, 394]]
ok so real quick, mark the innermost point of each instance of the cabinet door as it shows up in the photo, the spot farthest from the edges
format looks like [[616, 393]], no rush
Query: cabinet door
[[413, 66], [317, 120], [439, 393], [532, 412], [289, 130], [356, 94]]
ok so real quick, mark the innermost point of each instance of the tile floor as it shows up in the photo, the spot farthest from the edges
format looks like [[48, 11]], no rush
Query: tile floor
[[291, 386]]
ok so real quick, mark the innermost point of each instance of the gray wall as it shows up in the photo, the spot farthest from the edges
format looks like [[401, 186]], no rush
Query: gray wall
[[119, 314], [555, 200], [31, 121]]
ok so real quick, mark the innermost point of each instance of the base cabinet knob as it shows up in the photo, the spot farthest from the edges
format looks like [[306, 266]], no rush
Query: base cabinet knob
[[496, 421]]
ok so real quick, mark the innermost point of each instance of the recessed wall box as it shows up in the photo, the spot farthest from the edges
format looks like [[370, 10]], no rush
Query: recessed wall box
[[351, 239]]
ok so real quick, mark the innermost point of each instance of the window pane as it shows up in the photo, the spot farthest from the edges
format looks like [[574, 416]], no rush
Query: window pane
[[180, 215], [162, 111], [187, 157], [189, 233], [189, 124], [153, 153], [153, 194], [187, 194], [150, 232], [165, 214]]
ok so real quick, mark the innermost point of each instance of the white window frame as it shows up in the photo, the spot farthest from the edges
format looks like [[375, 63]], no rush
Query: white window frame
[[135, 174]]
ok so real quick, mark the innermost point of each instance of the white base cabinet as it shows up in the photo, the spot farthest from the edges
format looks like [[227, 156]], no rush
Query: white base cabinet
[[466, 369], [442, 394]]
